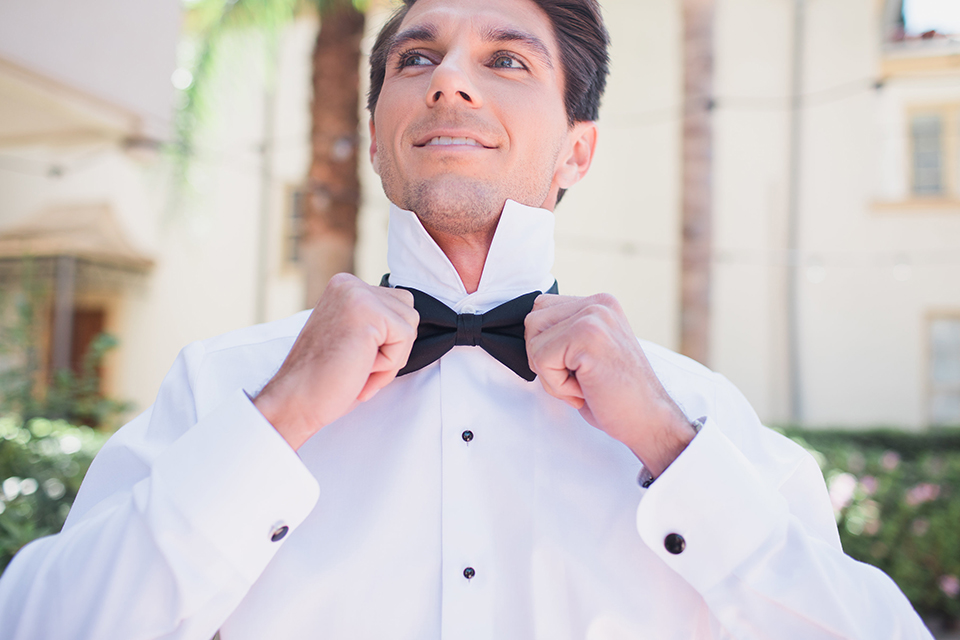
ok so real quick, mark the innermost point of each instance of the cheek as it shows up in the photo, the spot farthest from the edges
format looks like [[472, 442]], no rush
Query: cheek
[[534, 122]]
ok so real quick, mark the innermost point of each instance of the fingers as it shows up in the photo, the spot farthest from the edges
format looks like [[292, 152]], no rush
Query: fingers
[[564, 335], [548, 310], [550, 358], [354, 343], [399, 331], [377, 381]]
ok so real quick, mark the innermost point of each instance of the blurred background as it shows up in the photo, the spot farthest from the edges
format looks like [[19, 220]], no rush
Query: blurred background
[[776, 194]]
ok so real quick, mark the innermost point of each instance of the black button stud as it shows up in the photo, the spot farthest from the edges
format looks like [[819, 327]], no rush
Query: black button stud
[[468, 573], [278, 533], [467, 436], [674, 543]]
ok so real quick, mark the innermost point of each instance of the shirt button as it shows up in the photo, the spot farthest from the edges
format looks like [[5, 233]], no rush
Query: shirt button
[[468, 573], [467, 436], [279, 532], [674, 543], [468, 308]]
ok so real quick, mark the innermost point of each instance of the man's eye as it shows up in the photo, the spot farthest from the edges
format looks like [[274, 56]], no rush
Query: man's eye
[[413, 59], [504, 61]]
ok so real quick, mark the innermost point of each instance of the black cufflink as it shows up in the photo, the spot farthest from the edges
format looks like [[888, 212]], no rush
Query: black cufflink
[[278, 533], [645, 478], [674, 543]]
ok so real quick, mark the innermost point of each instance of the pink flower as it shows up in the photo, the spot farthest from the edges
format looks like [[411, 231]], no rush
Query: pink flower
[[869, 485], [923, 492], [950, 585], [841, 491], [890, 460]]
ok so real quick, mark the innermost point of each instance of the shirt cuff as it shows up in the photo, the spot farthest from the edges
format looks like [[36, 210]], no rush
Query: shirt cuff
[[709, 510], [232, 480]]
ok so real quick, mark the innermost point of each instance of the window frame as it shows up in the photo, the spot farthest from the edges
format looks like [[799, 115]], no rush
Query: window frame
[[949, 114], [931, 388]]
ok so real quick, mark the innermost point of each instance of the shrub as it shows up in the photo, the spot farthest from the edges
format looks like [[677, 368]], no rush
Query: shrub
[[896, 497], [41, 465], [47, 439]]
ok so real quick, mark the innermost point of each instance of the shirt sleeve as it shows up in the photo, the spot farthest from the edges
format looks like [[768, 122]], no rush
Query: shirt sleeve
[[754, 534], [173, 524]]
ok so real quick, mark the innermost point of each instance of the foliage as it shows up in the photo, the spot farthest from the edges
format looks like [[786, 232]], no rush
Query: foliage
[[67, 396], [896, 497], [47, 439], [41, 465], [206, 25]]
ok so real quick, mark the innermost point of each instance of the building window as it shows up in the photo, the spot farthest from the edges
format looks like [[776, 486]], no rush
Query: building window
[[945, 371], [935, 152], [294, 225], [926, 132]]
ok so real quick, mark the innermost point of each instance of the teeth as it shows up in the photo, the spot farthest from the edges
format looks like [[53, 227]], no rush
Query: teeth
[[447, 140]]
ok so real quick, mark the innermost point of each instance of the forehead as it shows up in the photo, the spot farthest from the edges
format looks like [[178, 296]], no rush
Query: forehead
[[480, 16]]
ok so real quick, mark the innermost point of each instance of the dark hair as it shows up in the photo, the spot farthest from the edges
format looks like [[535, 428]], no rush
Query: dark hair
[[581, 36]]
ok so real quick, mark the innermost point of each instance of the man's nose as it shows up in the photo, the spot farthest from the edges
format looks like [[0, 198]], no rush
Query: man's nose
[[451, 83]]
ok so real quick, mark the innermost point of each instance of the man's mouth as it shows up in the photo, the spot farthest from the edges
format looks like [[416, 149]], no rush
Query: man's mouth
[[445, 141]]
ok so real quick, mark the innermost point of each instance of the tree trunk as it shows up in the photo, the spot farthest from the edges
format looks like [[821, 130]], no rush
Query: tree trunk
[[332, 199], [697, 193]]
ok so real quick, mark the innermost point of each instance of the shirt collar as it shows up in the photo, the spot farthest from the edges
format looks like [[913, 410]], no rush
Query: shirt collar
[[519, 260]]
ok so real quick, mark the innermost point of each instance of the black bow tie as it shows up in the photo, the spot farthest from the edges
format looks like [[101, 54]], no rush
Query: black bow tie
[[499, 331]]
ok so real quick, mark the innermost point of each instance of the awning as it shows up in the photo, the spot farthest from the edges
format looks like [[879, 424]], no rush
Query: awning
[[88, 232]]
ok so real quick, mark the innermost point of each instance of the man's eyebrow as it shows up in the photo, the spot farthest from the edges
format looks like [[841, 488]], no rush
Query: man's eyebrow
[[530, 41], [428, 33], [420, 33]]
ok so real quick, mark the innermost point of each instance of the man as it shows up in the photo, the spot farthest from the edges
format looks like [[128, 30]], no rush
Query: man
[[460, 500]]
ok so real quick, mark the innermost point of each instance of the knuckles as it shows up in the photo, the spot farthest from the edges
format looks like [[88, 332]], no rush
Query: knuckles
[[403, 295], [341, 281], [605, 300]]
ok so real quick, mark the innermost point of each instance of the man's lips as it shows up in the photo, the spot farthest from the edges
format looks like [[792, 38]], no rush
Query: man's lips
[[450, 139]]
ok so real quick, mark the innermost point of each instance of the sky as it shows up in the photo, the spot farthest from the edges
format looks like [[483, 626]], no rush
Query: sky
[[924, 15]]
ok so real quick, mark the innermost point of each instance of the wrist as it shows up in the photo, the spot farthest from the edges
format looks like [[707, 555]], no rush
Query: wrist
[[281, 414], [663, 439]]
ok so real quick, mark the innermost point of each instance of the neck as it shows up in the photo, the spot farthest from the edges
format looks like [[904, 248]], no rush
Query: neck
[[467, 253]]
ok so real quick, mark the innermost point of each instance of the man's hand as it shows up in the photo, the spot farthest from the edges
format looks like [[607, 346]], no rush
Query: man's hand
[[586, 355], [353, 344]]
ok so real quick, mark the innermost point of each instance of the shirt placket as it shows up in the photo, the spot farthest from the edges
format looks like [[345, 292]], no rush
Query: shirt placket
[[467, 605]]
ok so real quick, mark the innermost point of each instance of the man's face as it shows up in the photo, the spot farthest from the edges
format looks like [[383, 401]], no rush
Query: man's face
[[471, 112]]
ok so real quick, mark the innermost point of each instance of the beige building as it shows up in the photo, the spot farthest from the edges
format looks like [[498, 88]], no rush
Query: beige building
[[875, 191]]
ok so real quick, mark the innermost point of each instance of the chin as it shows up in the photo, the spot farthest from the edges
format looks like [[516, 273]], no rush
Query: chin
[[453, 205]]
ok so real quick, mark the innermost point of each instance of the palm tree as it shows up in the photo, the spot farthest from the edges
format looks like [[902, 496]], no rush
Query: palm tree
[[332, 186], [696, 195]]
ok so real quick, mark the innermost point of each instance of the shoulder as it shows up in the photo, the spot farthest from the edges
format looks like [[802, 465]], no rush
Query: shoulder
[[258, 334], [245, 358]]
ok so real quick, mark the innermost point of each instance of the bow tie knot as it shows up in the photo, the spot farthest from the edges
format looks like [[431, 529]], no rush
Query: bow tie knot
[[469, 327]]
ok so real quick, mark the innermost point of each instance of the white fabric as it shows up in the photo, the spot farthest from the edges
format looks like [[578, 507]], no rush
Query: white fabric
[[170, 535]]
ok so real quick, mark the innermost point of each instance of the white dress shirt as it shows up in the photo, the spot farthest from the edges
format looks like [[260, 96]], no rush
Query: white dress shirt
[[172, 533]]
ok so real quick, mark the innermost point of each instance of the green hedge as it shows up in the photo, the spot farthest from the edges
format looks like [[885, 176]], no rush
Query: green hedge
[[41, 466], [896, 496]]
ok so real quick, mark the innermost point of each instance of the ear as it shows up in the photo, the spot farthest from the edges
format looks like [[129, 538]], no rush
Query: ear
[[574, 161], [373, 147]]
